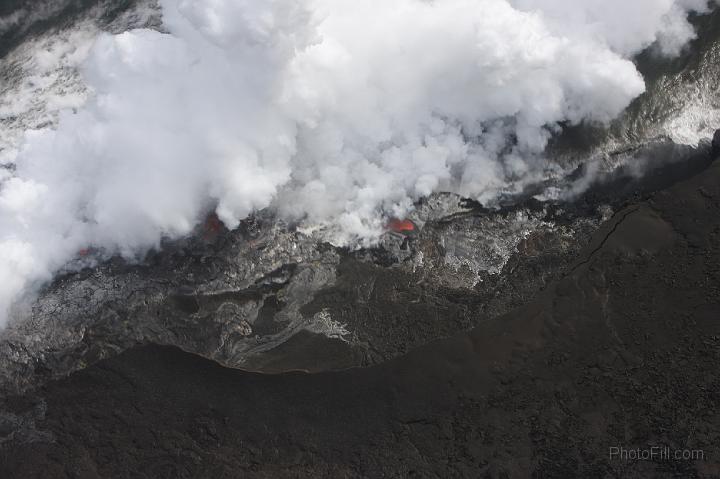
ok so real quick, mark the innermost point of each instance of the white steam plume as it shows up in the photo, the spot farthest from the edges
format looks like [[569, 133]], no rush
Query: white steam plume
[[335, 112]]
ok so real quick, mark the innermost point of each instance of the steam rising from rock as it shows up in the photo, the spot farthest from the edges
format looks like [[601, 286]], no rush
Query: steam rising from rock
[[334, 112]]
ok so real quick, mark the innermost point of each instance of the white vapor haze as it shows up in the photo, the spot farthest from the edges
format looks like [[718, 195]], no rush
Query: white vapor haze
[[334, 112]]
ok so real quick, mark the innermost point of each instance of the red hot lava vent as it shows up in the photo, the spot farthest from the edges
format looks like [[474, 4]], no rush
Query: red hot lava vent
[[401, 226]]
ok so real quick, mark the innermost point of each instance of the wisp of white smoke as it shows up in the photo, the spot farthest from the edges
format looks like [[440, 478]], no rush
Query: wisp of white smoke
[[332, 112]]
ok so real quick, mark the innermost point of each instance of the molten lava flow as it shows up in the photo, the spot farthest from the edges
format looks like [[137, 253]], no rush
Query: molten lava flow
[[401, 226]]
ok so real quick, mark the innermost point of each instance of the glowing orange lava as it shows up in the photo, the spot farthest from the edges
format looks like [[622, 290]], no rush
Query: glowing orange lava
[[401, 226]]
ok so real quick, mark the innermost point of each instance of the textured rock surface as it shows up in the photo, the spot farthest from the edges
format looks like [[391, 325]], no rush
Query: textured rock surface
[[578, 345], [267, 297], [620, 351]]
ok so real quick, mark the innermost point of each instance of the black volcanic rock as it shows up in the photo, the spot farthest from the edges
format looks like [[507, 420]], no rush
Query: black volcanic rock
[[267, 297], [716, 144], [619, 352]]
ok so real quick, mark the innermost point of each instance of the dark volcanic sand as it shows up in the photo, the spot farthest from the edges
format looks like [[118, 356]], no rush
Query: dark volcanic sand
[[623, 351]]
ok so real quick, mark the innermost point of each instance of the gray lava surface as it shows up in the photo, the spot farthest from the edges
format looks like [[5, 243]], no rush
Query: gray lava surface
[[267, 297]]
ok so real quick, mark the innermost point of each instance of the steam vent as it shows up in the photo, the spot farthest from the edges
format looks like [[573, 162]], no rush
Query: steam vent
[[359, 239]]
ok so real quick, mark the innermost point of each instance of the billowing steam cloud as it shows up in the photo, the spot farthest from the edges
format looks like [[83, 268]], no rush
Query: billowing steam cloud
[[334, 112]]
